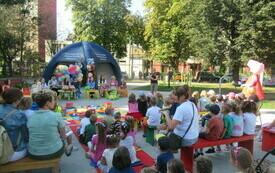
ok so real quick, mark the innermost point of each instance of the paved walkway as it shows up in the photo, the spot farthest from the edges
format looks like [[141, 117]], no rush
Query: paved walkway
[[77, 163]]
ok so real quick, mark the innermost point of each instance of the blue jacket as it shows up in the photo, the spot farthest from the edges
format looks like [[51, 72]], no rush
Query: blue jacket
[[14, 124]]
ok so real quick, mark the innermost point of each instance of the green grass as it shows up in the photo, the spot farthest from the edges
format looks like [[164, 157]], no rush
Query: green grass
[[268, 102]]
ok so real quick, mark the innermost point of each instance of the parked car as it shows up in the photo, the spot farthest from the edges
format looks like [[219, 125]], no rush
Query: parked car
[[125, 75], [205, 76]]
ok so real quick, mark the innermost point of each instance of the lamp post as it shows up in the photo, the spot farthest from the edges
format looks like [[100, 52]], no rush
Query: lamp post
[[169, 75]]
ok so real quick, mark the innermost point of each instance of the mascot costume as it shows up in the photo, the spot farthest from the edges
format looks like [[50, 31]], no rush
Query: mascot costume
[[254, 84]]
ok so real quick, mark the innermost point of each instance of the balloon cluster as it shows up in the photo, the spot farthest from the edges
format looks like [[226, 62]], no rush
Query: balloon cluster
[[69, 73]]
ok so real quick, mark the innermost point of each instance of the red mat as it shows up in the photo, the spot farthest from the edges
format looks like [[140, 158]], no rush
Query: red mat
[[141, 155]]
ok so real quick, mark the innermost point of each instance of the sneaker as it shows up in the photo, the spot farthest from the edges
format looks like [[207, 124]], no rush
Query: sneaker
[[68, 150], [144, 135], [210, 150]]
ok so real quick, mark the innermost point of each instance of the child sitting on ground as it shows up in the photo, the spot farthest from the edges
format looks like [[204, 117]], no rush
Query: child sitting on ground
[[175, 166], [128, 141], [116, 126], [214, 128], [153, 114], [98, 143], [165, 156], [25, 105], [149, 96], [106, 160], [249, 110], [121, 161], [84, 122], [142, 103], [133, 107], [204, 165], [242, 159], [109, 119], [159, 96], [133, 132], [90, 129]]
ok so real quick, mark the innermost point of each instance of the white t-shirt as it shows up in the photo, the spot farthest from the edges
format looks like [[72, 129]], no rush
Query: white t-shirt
[[128, 142], [84, 122], [108, 154], [184, 114], [249, 122], [153, 115]]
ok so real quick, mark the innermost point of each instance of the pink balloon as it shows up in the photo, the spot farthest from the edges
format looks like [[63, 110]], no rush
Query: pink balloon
[[59, 74], [76, 72]]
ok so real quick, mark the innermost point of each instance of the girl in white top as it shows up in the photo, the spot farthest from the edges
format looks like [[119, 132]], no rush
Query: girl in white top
[[128, 141], [106, 160], [85, 121], [249, 110], [183, 117]]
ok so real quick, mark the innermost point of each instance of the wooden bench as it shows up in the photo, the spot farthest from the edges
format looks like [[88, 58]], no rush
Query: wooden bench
[[187, 153], [30, 164]]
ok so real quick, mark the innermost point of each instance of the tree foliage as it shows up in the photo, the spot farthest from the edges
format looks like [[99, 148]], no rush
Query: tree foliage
[[102, 22], [15, 31], [166, 31], [222, 32], [136, 30]]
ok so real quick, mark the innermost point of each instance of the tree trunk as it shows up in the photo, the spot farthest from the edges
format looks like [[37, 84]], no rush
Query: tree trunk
[[10, 67], [235, 71], [4, 69]]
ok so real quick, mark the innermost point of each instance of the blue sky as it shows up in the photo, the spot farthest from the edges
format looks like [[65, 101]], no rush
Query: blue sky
[[64, 17]]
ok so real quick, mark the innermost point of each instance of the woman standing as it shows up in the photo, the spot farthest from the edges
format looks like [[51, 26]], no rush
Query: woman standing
[[14, 122], [154, 81], [47, 130], [186, 115]]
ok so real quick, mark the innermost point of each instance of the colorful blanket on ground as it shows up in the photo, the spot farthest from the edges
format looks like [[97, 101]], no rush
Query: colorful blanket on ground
[[145, 159], [74, 115]]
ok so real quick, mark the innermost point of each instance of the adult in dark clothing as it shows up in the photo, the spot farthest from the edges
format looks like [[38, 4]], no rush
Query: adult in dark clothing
[[154, 81]]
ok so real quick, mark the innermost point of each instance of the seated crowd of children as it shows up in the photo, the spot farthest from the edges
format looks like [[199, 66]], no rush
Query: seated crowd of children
[[112, 142]]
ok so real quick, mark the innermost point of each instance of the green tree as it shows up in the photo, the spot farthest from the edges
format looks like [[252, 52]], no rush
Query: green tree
[[136, 30], [257, 31], [102, 22], [15, 31], [166, 31]]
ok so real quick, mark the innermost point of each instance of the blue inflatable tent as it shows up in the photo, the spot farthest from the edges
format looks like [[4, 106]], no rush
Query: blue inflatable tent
[[85, 53]]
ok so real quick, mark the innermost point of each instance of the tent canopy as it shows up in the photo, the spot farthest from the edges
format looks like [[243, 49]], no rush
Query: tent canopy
[[85, 53]]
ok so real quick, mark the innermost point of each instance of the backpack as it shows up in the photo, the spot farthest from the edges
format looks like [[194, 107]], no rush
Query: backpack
[[6, 148]]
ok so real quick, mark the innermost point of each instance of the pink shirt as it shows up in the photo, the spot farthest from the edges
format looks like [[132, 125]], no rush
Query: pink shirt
[[98, 148], [113, 83], [133, 107]]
